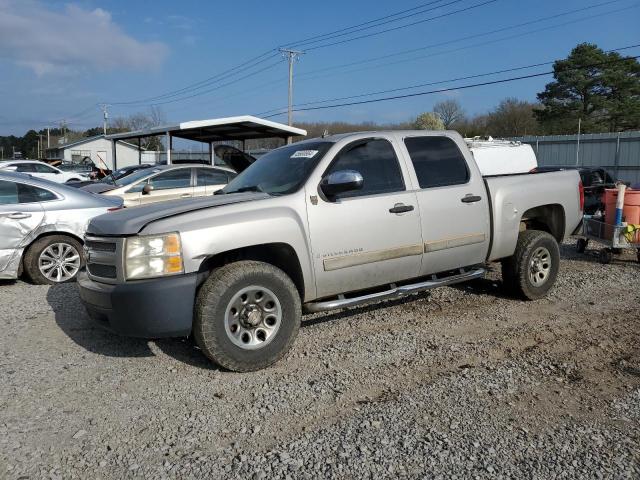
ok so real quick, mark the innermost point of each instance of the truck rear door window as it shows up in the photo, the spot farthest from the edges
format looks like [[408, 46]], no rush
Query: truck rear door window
[[437, 161], [376, 161]]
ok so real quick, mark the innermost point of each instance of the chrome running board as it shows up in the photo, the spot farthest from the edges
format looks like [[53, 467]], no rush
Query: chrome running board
[[394, 292]]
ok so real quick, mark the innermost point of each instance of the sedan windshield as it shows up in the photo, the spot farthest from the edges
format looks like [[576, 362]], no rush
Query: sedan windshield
[[280, 171]]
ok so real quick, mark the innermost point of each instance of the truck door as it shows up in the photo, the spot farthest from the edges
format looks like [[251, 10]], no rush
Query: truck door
[[452, 201], [20, 214], [366, 237]]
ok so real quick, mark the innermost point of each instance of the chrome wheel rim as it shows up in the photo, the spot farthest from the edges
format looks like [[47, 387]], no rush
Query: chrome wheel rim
[[59, 262], [540, 267], [253, 317]]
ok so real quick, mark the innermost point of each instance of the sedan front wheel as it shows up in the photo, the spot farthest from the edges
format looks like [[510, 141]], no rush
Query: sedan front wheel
[[53, 259]]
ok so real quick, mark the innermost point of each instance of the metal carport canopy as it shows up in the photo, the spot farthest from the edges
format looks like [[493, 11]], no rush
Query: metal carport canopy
[[243, 127]]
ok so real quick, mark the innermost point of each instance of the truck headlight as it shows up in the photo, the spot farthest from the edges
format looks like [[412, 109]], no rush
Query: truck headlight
[[151, 256]]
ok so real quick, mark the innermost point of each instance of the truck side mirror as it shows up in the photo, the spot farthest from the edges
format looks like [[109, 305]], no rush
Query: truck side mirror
[[147, 189], [340, 182]]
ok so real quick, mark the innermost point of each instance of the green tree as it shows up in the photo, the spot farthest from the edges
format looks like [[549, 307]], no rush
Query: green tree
[[512, 118], [602, 89], [428, 121]]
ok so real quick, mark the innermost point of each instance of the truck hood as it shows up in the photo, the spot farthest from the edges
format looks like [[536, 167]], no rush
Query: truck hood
[[130, 221]]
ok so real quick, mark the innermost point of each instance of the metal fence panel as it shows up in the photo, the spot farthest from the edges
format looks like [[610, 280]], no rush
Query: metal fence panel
[[619, 153]]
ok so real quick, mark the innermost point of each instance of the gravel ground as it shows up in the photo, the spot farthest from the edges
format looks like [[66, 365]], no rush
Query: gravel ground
[[460, 383]]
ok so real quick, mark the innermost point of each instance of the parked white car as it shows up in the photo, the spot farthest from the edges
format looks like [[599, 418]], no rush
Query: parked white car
[[39, 169]]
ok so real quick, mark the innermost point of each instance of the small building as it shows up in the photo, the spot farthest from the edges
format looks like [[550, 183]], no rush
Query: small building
[[98, 149]]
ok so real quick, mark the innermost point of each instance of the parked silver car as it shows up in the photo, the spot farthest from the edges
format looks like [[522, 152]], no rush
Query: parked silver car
[[42, 224]]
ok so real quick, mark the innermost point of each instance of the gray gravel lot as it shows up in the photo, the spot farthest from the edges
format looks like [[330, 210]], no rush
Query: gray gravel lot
[[461, 383]]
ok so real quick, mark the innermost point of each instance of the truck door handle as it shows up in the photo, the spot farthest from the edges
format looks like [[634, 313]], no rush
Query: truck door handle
[[470, 198], [401, 208], [17, 215], [185, 195]]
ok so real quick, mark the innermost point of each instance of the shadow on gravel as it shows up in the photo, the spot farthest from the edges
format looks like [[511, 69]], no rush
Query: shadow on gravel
[[4, 283], [484, 286], [73, 320], [185, 350]]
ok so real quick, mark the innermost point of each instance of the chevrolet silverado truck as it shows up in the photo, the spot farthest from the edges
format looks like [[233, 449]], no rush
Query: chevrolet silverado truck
[[318, 225]]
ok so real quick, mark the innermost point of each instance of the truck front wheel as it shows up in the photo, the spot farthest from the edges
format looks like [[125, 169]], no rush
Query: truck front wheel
[[247, 316], [533, 268]]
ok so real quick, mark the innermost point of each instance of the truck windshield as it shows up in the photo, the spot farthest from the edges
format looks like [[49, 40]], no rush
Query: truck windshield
[[280, 171]]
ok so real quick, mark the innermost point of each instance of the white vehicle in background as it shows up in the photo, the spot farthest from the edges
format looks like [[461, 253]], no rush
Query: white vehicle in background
[[165, 182], [39, 169], [502, 157]]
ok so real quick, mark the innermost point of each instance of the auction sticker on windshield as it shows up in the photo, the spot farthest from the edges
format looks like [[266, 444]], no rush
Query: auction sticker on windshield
[[304, 154]]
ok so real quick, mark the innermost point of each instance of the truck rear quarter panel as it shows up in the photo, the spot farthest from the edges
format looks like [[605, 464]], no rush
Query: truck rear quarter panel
[[513, 195]]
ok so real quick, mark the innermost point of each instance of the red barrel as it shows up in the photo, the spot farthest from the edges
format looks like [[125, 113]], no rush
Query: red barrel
[[630, 212]]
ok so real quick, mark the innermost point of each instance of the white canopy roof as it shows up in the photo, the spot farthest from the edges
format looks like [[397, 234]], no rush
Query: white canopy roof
[[243, 127]]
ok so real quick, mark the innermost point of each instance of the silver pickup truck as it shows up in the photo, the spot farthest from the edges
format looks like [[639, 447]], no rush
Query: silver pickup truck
[[318, 225]]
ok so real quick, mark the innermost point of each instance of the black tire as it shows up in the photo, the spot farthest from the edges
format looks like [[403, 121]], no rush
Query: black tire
[[216, 295], [605, 256], [517, 270], [581, 245], [36, 249]]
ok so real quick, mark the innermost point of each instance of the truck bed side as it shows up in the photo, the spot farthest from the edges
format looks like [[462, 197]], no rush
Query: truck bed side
[[545, 201]]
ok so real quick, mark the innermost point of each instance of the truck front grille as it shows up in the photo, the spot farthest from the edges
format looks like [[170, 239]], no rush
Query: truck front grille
[[101, 246], [103, 254]]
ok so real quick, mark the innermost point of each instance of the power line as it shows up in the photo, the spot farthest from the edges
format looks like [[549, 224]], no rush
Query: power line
[[460, 48], [204, 92], [354, 29], [420, 85], [461, 87], [243, 66], [469, 37], [204, 83], [417, 22], [257, 60], [308, 39]]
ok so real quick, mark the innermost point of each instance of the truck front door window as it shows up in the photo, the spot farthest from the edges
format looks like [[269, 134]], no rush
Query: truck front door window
[[376, 161]]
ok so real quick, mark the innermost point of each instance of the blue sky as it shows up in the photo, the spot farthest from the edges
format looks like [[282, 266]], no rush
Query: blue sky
[[58, 59]]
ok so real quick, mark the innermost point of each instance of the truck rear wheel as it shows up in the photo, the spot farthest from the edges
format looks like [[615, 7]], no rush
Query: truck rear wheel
[[533, 268], [247, 316]]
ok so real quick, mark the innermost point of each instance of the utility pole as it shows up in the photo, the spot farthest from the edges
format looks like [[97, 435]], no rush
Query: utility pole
[[578, 142], [40, 146], [105, 117], [48, 139], [292, 56]]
